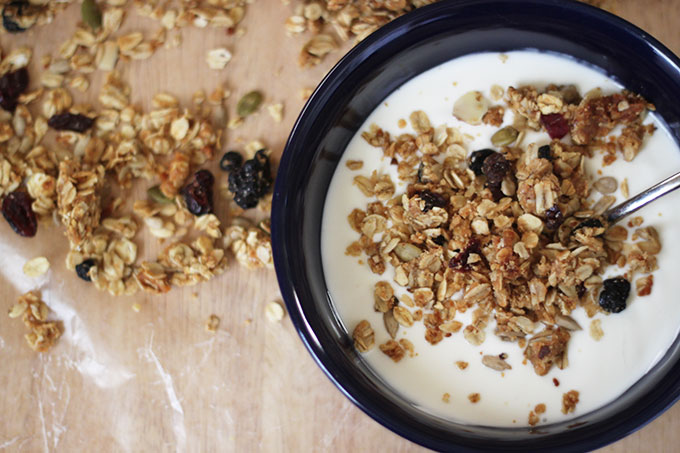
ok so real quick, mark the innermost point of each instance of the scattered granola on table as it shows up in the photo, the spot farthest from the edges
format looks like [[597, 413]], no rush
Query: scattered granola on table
[[34, 312]]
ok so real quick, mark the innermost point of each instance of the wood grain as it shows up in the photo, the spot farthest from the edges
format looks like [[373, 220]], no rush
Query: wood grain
[[155, 380]]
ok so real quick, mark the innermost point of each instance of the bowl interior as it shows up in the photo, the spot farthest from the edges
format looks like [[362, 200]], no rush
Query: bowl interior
[[370, 72]]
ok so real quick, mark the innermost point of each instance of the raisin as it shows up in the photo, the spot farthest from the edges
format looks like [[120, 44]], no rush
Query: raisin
[[496, 191], [431, 200], [17, 210], [439, 240], [231, 161], [18, 16], [544, 153], [83, 269], [588, 223], [553, 218], [12, 85], [555, 124], [459, 262], [580, 290], [70, 122], [476, 160], [252, 181], [495, 167], [198, 193], [614, 294]]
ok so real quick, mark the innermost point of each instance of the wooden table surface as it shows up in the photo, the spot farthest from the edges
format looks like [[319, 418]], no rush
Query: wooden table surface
[[156, 380]]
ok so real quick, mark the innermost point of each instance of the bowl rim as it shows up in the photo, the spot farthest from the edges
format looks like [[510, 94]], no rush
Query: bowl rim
[[355, 56]]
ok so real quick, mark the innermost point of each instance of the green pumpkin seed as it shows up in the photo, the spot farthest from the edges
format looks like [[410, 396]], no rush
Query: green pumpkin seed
[[92, 15], [248, 104], [156, 195], [505, 136]]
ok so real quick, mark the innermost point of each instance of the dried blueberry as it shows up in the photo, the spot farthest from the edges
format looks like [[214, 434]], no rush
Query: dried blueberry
[[231, 161], [614, 294], [544, 152], [476, 160], [83, 269], [18, 16], [12, 85], [495, 167], [553, 218], [198, 194], [432, 199], [17, 210], [252, 181], [70, 122]]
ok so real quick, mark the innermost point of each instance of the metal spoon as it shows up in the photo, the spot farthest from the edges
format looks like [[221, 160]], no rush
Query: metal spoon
[[642, 199]]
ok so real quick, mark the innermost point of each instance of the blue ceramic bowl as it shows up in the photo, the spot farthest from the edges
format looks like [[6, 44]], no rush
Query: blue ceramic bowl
[[385, 60]]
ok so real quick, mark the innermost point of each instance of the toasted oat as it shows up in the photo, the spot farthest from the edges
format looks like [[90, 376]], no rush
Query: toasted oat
[[364, 337], [354, 164], [644, 285], [36, 267], [393, 350]]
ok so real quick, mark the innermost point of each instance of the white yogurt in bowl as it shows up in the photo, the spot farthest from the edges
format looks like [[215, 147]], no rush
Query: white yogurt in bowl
[[634, 339]]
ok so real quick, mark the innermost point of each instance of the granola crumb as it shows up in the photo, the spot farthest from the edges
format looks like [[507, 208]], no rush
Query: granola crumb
[[212, 324], [462, 364], [446, 397], [401, 123], [569, 401], [276, 112], [393, 350], [274, 311], [533, 418], [540, 408], [644, 285], [136, 307], [408, 346], [596, 331], [474, 397]]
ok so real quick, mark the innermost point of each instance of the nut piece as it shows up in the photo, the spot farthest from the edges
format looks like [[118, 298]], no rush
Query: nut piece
[[218, 58], [569, 401], [496, 363], [364, 337], [471, 107], [274, 311], [36, 267]]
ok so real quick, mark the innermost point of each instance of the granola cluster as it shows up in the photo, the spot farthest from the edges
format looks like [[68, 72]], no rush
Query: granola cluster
[[34, 312], [512, 234]]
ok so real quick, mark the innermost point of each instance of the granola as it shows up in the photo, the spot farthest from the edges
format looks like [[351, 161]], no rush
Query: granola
[[515, 231]]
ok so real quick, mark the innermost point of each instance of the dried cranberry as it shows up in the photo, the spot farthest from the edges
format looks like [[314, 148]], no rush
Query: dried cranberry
[[544, 153], [198, 194], [614, 294], [476, 160], [83, 269], [459, 262], [12, 85], [431, 200], [70, 122], [555, 124], [495, 167], [553, 218], [17, 210], [252, 181]]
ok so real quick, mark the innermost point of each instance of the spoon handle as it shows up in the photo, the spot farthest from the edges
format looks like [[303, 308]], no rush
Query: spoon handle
[[642, 199]]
